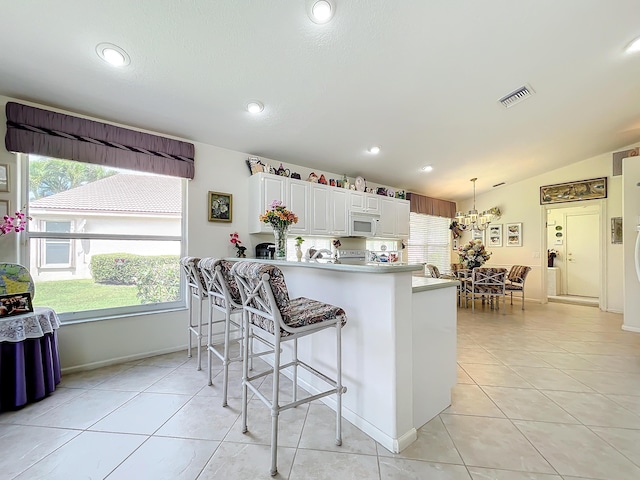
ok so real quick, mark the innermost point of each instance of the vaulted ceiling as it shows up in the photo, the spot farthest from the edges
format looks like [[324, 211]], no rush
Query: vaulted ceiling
[[421, 79]]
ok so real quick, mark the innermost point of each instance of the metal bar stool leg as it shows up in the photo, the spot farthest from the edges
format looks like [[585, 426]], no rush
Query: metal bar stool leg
[[275, 407], [339, 384]]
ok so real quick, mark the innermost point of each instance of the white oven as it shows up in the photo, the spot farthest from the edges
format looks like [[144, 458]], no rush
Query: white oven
[[363, 224]]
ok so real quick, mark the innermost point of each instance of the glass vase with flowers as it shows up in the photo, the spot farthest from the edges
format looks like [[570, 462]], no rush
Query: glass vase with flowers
[[280, 219], [473, 254]]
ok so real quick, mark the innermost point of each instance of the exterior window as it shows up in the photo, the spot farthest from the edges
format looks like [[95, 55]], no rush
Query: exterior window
[[103, 241], [56, 251], [429, 241]]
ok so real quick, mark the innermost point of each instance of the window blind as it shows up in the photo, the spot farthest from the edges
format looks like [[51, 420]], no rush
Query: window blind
[[429, 241]]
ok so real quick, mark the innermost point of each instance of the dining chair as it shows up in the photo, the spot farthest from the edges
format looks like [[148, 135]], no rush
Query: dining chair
[[515, 281], [270, 313], [487, 283]]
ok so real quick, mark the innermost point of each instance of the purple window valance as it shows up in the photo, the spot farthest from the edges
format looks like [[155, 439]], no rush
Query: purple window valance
[[431, 206], [43, 132]]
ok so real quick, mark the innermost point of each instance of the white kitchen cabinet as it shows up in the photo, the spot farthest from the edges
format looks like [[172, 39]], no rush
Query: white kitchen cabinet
[[319, 222], [394, 218], [338, 212], [264, 188], [298, 202], [364, 202], [403, 210], [387, 223]]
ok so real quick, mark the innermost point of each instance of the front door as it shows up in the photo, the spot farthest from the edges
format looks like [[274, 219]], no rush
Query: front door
[[583, 254]]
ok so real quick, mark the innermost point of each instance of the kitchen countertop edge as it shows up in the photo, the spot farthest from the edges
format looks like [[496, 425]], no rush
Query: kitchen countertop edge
[[421, 284], [341, 267]]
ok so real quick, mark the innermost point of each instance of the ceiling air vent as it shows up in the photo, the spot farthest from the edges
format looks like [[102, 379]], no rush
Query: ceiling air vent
[[517, 96]]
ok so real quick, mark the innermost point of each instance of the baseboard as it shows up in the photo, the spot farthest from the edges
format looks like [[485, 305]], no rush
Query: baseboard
[[124, 359], [394, 445], [627, 328]]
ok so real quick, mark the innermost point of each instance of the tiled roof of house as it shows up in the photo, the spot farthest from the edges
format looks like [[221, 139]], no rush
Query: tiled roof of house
[[122, 192]]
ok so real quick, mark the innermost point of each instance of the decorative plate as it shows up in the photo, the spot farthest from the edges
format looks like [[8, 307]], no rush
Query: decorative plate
[[361, 184], [391, 192]]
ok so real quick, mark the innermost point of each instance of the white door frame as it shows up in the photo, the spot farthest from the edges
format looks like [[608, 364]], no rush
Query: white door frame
[[602, 212]]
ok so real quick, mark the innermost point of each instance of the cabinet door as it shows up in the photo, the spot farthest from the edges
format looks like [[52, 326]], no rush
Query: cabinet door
[[372, 203], [264, 189], [298, 199], [319, 210], [403, 208], [356, 201], [387, 223], [339, 212]]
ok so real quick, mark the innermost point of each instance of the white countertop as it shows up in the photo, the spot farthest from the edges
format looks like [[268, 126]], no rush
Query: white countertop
[[420, 284], [339, 267]]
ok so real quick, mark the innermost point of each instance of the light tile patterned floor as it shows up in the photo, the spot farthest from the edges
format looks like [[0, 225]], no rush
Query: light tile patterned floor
[[549, 393]]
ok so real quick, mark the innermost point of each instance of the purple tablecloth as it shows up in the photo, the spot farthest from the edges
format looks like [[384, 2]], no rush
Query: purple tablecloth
[[29, 369]]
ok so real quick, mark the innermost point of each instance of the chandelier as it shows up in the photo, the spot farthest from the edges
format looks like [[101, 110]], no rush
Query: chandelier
[[474, 220]]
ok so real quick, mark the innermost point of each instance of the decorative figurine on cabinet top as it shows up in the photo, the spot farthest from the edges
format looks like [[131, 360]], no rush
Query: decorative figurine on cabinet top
[[313, 178]]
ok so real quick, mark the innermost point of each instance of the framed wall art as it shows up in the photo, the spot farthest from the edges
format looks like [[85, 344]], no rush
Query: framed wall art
[[477, 235], [4, 208], [220, 207], [574, 191], [4, 177], [495, 235], [616, 230], [514, 234]]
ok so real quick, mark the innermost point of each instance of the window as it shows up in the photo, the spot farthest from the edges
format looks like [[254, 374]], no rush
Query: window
[[429, 241], [56, 252], [103, 241]]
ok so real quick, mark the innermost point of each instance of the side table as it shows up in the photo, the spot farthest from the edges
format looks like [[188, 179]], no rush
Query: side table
[[29, 361]]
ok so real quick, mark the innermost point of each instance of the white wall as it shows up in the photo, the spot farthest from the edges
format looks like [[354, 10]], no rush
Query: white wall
[[631, 219], [216, 169], [520, 202]]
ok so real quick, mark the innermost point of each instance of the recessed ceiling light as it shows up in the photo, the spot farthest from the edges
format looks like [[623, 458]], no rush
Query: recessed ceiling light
[[427, 168], [634, 47], [374, 150], [321, 11], [113, 55], [255, 107]]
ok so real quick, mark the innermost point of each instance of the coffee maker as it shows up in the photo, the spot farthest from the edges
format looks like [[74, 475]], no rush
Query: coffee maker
[[266, 251]]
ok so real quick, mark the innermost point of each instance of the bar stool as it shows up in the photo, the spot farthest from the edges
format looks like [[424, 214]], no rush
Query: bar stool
[[268, 310], [195, 285], [223, 294]]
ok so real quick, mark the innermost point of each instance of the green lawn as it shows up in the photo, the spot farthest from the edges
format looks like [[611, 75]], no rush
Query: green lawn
[[78, 295]]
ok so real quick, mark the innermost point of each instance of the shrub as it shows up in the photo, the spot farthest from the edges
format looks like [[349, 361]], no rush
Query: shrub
[[157, 277]]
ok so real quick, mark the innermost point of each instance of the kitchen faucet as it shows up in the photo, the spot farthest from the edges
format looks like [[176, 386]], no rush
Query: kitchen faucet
[[318, 254]]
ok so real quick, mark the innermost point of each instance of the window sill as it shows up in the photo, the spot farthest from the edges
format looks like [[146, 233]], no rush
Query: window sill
[[123, 315]]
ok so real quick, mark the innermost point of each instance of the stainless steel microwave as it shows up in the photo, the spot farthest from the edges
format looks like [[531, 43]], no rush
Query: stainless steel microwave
[[363, 224]]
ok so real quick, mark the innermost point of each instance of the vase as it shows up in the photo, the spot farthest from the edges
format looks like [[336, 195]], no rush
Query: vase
[[299, 253], [280, 235]]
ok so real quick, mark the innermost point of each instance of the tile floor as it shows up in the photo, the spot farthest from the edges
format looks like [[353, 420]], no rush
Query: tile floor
[[549, 393]]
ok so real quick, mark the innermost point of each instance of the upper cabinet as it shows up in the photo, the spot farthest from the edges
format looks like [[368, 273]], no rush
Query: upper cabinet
[[364, 202], [264, 188], [323, 210], [394, 218], [298, 203]]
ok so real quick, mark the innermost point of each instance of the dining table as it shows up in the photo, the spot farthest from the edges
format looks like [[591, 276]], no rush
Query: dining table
[[29, 358]]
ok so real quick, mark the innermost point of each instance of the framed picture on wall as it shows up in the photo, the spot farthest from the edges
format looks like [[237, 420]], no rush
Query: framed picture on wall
[[477, 235], [220, 207], [4, 208], [495, 235], [514, 234], [4, 177]]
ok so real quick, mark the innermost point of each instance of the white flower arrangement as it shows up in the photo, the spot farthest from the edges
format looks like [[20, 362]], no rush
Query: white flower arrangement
[[473, 254]]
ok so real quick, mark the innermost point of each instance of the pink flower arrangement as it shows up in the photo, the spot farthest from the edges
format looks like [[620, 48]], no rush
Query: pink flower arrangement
[[235, 241], [15, 223]]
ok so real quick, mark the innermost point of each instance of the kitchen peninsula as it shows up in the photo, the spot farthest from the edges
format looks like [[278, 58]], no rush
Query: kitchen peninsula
[[398, 346]]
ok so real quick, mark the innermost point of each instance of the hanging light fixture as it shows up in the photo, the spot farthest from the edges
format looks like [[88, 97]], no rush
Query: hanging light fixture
[[474, 220]]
